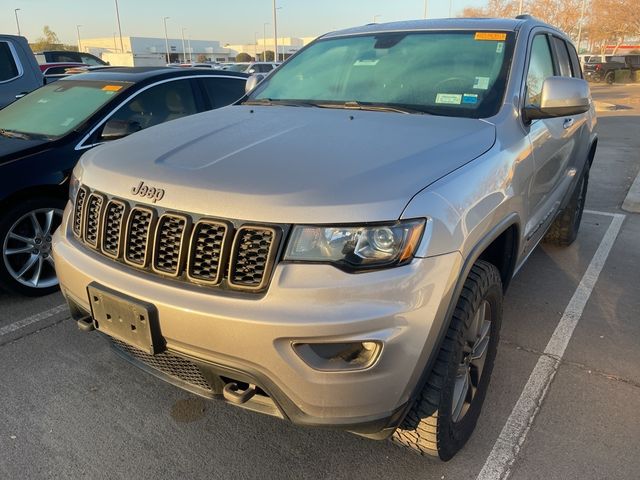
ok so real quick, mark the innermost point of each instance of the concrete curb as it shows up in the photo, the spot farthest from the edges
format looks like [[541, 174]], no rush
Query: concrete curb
[[632, 201]]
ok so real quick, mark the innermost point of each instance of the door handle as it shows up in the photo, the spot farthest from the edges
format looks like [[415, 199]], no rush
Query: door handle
[[567, 123]]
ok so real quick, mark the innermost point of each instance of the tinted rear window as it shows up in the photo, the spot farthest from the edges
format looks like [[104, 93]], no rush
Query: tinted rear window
[[8, 67]]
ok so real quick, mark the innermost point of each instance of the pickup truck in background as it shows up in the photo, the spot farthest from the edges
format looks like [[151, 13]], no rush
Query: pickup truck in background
[[19, 71], [597, 69]]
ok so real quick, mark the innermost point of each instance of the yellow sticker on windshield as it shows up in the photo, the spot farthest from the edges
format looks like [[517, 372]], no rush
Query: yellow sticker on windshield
[[112, 88], [499, 37]]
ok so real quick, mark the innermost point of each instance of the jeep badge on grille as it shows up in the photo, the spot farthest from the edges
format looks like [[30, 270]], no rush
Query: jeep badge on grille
[[143, 190]]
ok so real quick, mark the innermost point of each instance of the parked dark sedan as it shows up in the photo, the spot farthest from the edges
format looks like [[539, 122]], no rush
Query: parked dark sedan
[[43, 134]]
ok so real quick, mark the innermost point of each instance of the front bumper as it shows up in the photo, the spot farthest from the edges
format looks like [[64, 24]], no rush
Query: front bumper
[[250, 338]]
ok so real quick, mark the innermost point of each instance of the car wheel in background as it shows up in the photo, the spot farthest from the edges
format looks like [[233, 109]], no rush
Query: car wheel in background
[[26, 228], [610, 78]]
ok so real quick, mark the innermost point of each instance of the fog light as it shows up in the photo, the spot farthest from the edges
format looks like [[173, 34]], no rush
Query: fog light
[[339, 356]]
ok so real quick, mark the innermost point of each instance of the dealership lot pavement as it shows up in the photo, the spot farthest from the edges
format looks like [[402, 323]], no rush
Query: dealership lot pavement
[[70, 408]]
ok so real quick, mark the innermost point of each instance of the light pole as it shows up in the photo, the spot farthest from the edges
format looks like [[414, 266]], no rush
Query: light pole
[[520, 7], [264, 41], [184, 52], [166, 38], [255, 46], [580, 24], [78, 32], [426, 9], [15, 11], [119, 28], [275, 32], [376, 16], [190, 51], [450, 8]]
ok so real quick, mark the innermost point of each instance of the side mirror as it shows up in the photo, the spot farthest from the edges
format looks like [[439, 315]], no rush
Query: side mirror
[[560, 97], [251, 70], [115, 129], [253, 81]]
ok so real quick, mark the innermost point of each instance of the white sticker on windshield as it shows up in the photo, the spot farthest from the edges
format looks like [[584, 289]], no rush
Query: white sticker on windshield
[[481, 83], [449, 98], [499, 47], [67, 122], [366, 63]]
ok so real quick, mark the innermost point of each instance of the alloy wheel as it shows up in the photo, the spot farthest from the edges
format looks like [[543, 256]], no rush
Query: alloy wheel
[[26, 250], [473, 358]]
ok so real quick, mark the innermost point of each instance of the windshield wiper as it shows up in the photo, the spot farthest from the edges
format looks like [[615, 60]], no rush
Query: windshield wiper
[[381, 107], [285, 103], [14, 134]]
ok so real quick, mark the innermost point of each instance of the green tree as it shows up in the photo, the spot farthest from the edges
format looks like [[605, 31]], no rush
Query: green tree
[[269, 56], [244, 57]]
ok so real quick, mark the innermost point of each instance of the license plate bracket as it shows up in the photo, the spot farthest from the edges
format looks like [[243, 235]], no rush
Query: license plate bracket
[[125, 318]]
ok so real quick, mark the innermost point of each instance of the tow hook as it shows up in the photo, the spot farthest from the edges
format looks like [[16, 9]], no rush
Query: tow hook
[[85, 324], [232, 393]]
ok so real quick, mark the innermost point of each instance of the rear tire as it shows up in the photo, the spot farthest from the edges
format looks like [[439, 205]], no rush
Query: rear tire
[[610, 78], [444, 415], [564, 229]]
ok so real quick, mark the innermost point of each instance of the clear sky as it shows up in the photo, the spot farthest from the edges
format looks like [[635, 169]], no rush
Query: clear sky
[[228, 21]]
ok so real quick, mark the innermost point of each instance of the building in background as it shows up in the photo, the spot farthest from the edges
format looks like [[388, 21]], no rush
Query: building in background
[[148, 51], [287, 46]]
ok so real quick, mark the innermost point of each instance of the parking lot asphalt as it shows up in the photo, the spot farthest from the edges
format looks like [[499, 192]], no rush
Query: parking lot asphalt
[[70, 408]]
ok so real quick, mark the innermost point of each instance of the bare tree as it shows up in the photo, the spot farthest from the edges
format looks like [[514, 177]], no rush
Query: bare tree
[[606, 21]]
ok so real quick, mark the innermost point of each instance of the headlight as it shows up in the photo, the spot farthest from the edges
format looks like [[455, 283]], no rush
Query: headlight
[[371, 246], [74, 186]]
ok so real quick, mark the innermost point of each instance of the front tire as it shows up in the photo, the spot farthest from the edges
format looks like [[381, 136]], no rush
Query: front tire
[[26, 228], [445, 413]]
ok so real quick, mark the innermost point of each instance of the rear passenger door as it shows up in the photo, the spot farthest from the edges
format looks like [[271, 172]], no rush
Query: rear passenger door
[[222, 91], [553, 140]]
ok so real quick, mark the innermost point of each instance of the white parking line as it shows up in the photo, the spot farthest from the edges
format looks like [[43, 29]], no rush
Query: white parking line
[[38, 317], [514, 432]]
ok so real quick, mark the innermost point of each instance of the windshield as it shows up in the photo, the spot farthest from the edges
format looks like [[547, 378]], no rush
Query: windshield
[[456, 73], [56, 109]]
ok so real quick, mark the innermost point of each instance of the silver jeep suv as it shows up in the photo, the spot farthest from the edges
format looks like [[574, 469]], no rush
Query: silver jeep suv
[[334, 249]]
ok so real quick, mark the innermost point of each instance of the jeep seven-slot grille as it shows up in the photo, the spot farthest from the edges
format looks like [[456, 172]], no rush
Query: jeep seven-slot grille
[[167, 254], [81, 197], [136, 246], [204, 251], [112, 228], [92, 219]]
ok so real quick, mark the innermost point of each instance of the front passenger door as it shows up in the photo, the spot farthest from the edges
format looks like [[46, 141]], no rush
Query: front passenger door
[[552, 142], [157, 104]]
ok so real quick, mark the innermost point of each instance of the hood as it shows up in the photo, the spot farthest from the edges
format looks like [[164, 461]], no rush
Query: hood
[[289, 164], [13, 148]]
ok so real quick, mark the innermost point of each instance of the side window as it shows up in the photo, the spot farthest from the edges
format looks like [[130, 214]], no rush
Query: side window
[[540, 67], [8, 67], [65, 57], [223, 91], [89, 60], [564, 63], [158, 104], [264, 68], [575, 63]]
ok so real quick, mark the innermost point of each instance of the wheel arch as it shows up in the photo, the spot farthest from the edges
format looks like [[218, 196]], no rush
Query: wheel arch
[[59, 191], [505, 237]]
